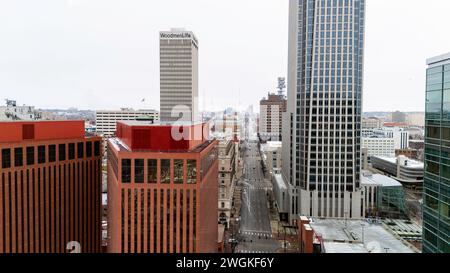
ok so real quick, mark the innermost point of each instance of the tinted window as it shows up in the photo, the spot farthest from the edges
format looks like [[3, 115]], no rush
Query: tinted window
[[89, 149], [178, 176], [51, 153], [139, 170], [71, 151], [30, 155], [6, 158], [126, 170], [62, 152], [165, 170], [80, 149], [152, 171], [192, 171], [41, 154], [97, 148], [18, 157]]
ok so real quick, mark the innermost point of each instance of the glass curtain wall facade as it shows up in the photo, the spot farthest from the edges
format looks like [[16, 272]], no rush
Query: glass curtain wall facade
[[436, 218], [324, 107]]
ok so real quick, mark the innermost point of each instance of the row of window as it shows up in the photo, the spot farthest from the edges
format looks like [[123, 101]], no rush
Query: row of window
[[48, 153], [166, 172]]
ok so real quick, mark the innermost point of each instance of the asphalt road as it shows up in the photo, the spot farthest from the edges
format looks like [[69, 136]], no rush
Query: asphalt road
[[255, 234]]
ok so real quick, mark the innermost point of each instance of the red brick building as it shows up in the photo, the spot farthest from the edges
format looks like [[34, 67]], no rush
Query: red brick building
[[162, 192], [50, 187]]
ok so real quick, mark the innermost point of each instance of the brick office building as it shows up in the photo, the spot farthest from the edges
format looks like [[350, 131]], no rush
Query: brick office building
[[162, 193], [50, 195]]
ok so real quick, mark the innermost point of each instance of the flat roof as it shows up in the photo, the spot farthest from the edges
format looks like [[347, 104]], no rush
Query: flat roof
[[380, 180], [438, 59], [345, 236], [411, 163], [280, 181], [159, 123]]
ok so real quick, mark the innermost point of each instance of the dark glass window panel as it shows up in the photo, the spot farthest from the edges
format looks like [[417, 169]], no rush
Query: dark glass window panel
[[80, 150], [18, 157], [30, 155], [165, 171], [71, 151], [51, 153], [62, 152], [139, 170], [41, 154], [6, 158], [152, 171], [126, 170]]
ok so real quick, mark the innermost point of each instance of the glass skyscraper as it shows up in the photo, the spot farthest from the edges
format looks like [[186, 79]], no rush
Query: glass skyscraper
[[322, 127], [436, 200]]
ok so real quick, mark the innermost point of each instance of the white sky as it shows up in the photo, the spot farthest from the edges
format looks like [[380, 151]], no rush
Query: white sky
[[103, 54]]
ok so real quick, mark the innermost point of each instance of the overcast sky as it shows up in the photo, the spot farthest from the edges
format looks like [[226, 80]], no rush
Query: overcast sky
[[103, 54]]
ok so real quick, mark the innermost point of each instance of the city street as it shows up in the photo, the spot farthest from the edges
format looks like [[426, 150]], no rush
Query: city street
[[255, 234]]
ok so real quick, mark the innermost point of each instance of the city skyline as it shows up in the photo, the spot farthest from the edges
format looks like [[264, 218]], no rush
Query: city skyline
[[88, 60]]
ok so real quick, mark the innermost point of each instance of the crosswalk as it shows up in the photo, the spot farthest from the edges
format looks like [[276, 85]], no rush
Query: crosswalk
[[261, 234], [252, 251]]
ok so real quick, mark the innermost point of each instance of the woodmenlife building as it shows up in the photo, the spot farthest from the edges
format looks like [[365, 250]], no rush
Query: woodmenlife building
[[178, 75]]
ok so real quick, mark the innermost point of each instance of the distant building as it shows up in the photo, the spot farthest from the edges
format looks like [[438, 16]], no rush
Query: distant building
[[383, 196], [162, 192], [272, 155], [378, 146], [417, 144], [436, 213], [50, 187], [407, 171], [227, 176], [409, 153], [416, 119], [11, 111], [270, 119], [371, 123], [178, 75], [106, 120], [400, 136], [398, 117]]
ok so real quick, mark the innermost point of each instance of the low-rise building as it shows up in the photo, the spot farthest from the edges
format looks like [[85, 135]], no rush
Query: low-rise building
[[272, 155], [12, 111], [227, 178], [281, 194], [106, 120], [348, 236], [407, 171], [378, 146], [383, 196], [371, 123]]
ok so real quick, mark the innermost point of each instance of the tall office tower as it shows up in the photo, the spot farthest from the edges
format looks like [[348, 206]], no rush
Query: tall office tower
[[178, 75], [162, 192], [436, 224], [270, 120], [106, 120], [322, 128], [50, 187]]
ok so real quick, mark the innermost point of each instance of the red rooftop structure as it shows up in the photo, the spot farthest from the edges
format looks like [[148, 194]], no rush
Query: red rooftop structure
[[162, 189]]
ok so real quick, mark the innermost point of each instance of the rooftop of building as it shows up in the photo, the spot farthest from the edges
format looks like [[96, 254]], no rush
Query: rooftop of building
[[175, 137], [18, 131], [379, 180], [438, 59], [410, 163], [345, 236], [281, 185], [271, 145]]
